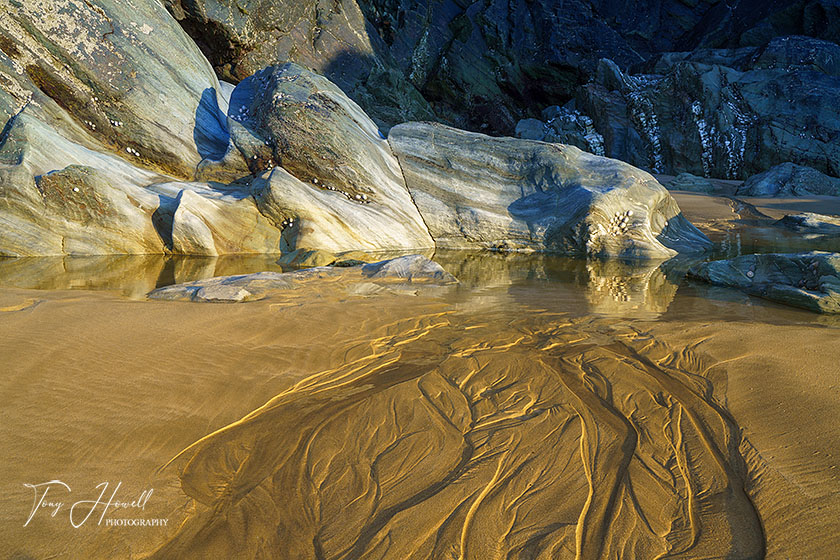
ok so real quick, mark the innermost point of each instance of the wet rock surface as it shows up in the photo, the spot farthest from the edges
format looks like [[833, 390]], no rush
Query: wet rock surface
[[807, 280], [410, 269]]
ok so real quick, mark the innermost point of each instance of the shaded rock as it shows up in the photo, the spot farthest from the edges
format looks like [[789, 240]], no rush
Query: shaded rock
[[411, 268], [689, 182], [721, 120], [563, 126], [307, 258], [808, 222], [332, 38], [789, 179], [807, 280], [475, 191]]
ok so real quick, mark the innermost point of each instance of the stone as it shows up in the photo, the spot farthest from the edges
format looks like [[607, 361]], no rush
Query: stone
[[221, 294], [807, 280], [332, 38], [723, 115], [339, 188], [789, 179], [475, 191], [411, 268], [689, 182], [305, 258], [810, 223], [112, 76]]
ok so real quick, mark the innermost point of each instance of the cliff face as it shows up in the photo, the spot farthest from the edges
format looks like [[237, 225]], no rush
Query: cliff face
[[478, 65]]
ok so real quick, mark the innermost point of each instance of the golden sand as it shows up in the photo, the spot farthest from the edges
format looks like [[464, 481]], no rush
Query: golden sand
[[417, 427]]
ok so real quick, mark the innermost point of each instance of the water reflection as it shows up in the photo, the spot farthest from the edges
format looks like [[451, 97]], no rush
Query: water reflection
[[613, 287]]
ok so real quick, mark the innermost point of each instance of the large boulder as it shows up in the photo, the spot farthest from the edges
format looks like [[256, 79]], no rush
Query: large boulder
[[723, 114], [811, 224], [789, 179], [475, 191], [113, 77], [332, 182], [332, 38], [807, 280]]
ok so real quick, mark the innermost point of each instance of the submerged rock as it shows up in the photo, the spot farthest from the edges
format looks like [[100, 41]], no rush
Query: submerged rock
[[810, 223], [307, 258], [410, 269], [807, 280], [789, 179], [475, 191]]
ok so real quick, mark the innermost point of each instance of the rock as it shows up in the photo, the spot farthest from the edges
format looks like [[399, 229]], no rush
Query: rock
[[807, 280], [789, 179], [563, 126], [475, 191], [808, 222], [305, 258], [339, 188], [689, 182], [75, 211], [411, 268], [244, 36], [114, 77], [720, 120], [221, 294]]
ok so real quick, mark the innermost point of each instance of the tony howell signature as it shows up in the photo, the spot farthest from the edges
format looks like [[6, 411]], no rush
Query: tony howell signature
[[48, 496]]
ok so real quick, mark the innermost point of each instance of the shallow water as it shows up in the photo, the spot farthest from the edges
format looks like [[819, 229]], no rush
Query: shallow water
[[545, 407]]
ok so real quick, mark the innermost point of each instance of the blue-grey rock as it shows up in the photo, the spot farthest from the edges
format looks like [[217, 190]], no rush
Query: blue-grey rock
[[807, 280]]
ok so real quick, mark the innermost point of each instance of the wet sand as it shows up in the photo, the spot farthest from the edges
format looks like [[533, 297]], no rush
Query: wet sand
[[488, 422]]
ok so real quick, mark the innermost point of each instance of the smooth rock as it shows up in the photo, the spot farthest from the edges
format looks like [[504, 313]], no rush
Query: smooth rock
[[339, 188], [789, 179], [689, 182], [807, 280], [810, 223], [475, 191], [222, 294], [307, 258], [411, 268]]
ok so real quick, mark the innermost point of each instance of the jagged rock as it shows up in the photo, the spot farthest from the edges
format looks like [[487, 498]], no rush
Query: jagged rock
[[307, 258], [789, 179], [716, 120], [689, 182], [411, 269], [563, 126], [810, 223], [475, 191], [339, 188], [807, 280], [332, 38]]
